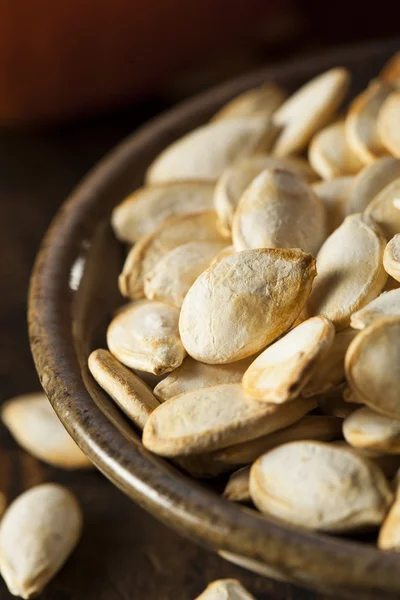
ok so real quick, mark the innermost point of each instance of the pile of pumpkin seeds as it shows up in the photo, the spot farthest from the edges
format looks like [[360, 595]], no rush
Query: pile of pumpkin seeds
[[262, 287]]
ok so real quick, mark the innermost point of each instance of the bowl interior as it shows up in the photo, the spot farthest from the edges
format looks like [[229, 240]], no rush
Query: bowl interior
[[72, 299]]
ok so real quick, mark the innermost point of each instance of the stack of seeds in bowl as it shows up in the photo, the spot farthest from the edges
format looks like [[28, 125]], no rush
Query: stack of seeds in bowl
[[266, 286]]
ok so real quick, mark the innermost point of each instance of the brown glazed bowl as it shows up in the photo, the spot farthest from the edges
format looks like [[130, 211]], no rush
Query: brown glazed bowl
[[73, 294]]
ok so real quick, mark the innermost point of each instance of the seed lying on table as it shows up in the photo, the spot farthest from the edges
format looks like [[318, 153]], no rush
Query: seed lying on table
[[131, 394], [204, 153], [244, 302], [279, 210], [36, 427], [225, 589], [235, 179], [391, 258], [387, 304], [215, 417], [280, 373], [37, 534], [330, 154], [145, 336], [324, 487], [261, 101]]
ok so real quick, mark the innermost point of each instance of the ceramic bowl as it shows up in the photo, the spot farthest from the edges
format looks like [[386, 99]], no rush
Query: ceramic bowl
[[72, 297]]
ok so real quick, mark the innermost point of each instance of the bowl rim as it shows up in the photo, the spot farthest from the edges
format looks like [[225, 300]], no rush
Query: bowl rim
[[300, 556]]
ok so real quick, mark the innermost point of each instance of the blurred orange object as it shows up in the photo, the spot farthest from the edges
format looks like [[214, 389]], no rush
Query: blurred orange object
[[61, 58]]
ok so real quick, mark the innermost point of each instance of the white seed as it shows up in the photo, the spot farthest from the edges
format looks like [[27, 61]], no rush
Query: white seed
[[237, 488], [373, 367], [284, 368], [334, 194], [205, 152], [145, 336], [235, 179], [193, 375], [330, 154], [172, 276], [391, 71], [389, 124], [391, 259], [225, 589], [36, 427], [244, 302], [383, 212], [361, 122], [311, 427], [386, 305], [214, 417], [148, 207], [350, 271], [370, 181], [37, 534], [131, 394], [260, 101], [144, 255], [365, 428], [279, 210], [319, 486], [329, 371], [309, 109]]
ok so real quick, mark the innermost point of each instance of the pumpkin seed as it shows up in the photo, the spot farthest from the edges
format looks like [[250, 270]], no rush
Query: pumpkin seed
[[383, 212], [145, 336], [330, 154], [389, 123], [370, 181], [334, 194], [36, 427], [214, 417], [365, 428], [280, 372], [131, 394], [279, 210], [244, 302], [387, 304], [319, 486], [391, 258], [350, 271], [37, 534], [225, 589], [309, 109], [237, 488], [260, 101]]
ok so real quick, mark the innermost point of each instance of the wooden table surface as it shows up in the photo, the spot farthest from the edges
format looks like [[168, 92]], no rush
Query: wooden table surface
[[124, 554]]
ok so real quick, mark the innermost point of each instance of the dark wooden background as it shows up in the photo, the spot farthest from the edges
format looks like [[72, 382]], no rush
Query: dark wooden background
[[124, 554]]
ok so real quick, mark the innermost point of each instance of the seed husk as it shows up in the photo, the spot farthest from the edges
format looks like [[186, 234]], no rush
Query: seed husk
[[334, 194], [385, 305], [365, 428], [193, 375], [225, 589], [361, 122], [128, 390], [311, 427], [319, 486], [373, 367], [389, 123], [329, 371], [172, 276], [371, 180], [279, 210], [143, 211], [237, 488], [391, 259], [330, 154], [244, 302], [204, 153], [236, 178], [261, 101], [309, 109], [145, 336], [281, 371], [37, 534], [199, 227], [383, 211], [350, 271], [36, 427], [214, 417]]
